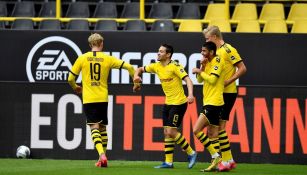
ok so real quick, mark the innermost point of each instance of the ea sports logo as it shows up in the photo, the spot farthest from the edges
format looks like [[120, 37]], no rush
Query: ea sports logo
[[49, 60]]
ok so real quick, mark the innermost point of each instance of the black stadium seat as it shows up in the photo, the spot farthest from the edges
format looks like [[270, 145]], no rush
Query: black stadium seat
[[131, 10], [52, 24], [135, 25], [78, 24], [48, 9], [2, 25], [23, 9], [161, 11], [106, 25], [163, 26], [23, 24], [3, 9], [188, 11], [78, 10], [105, 10]]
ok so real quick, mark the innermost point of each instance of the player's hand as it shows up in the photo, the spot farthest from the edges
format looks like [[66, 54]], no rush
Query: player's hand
[[204, 61], [196, 71], [226, 83], [137, 79], [78, 90], [190, 99], [136, 87]]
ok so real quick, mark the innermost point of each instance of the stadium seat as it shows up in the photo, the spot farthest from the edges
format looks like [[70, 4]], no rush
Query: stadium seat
[[105, 10], [272, 11], [190, 26], [23, 9], [78, 10], [23, 24], [3, 9], [106, 25], [223, 24], [131, 10], [299, 26], [161, 11], [275, 26], [216, 11], [163, 26], [135, 25], [248, 26], [2, 25], [78, 24], [188, 11], [245, 11], [298, 11], [50, 24], [48, 9]]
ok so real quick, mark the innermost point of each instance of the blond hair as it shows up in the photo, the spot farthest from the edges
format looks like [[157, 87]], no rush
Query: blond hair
[[213, 30], [95, 40]]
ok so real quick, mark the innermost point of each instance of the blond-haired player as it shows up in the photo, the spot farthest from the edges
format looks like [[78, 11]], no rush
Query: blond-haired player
[[234, 68], [95, 67]]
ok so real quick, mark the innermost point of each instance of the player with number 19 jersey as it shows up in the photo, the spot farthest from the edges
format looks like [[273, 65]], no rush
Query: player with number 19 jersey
[[95, 71]]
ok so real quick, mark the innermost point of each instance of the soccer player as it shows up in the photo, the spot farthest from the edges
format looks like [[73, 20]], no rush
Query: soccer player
[[171, 74], [234, 68], [211, 74], [95, 67]]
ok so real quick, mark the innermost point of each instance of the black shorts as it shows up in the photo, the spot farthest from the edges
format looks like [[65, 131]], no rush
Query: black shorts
[[229, 101], [173, 114], [212, 113], [96, 112]]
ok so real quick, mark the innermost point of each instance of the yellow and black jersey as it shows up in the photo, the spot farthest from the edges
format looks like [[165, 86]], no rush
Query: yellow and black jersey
[[95, 67], [171, 77], [231, 57], [213, 86]]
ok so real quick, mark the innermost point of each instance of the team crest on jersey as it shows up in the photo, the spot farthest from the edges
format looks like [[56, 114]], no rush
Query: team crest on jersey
[[216, 67], [49, 60], [218, 59], [233, 57]]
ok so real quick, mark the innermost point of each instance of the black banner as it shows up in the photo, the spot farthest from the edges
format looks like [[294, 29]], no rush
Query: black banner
[[271, 59], [267, 125]]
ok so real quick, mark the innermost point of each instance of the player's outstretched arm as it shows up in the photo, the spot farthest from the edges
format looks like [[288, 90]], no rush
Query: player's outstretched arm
[[137, 79]]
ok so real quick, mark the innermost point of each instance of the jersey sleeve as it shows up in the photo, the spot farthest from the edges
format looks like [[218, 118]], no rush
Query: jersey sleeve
[[217, 66], [116, 63], [179, 70], [150, 68], [234, 56], [76, 68]]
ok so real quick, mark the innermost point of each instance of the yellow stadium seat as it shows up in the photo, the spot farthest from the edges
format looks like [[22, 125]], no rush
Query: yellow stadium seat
[[272, 11], [299, 26], [298, 11], [216, 11], [190, 26], [250, 26], [223, 24], [275, 26], [245, 11]]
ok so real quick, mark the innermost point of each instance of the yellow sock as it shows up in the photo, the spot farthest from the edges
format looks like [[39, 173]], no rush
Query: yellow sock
[[180, 140], [225, 146], [96, 137], [104, 138], [169, 145], [204, 139], [216, 144]]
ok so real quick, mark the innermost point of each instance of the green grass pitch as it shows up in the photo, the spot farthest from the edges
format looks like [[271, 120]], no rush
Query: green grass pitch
[[86, 167]]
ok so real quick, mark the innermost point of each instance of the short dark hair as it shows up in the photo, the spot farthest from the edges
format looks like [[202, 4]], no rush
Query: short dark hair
[[210, 46], [169, 49]]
